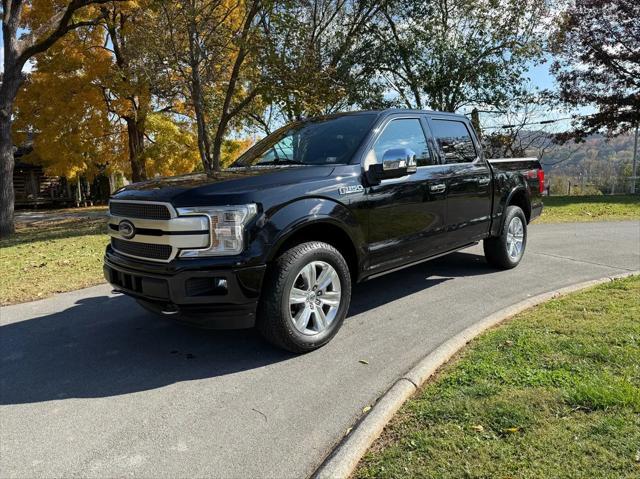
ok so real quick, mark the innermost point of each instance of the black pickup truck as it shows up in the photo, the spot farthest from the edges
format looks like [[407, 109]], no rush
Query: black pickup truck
[[278, 239]]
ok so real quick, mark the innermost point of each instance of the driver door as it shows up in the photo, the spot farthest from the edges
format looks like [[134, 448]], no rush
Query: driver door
[[406, 215]]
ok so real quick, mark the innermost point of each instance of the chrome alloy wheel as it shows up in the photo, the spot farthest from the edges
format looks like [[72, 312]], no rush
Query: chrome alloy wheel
[[515, 238], [314, 298]]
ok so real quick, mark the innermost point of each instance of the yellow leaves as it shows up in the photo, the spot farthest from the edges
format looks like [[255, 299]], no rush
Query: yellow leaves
[[172, 147], [78, 96], [62, 104], [232, 149], [506, 430]]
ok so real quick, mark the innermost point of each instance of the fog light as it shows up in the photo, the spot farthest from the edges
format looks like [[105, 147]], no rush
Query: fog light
[[206, 286]]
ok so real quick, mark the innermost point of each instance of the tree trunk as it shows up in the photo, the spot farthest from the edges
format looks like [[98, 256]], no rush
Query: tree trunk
[[135, 133], [204, 146], [227, 113], [217, 145], [8, 90], [475, 121], [6, 176], [197, 96]]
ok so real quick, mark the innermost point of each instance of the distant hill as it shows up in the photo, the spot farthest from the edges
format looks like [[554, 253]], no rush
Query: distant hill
[[571, 157], [596, 165]]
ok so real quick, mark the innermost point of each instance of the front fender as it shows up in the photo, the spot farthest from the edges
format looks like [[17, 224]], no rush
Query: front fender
[[280, 225]]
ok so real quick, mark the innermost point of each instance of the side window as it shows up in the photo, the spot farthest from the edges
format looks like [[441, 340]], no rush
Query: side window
[[404, 133], [454, 140]]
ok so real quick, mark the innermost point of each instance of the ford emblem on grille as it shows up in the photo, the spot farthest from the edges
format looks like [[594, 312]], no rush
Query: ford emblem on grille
[[126, 229]]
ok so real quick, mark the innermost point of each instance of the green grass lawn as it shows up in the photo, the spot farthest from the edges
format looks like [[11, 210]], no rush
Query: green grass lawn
[[566, 209], [50, 257], [553, 393]]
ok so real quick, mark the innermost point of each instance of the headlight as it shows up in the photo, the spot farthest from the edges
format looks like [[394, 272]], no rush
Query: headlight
[[226, 228]]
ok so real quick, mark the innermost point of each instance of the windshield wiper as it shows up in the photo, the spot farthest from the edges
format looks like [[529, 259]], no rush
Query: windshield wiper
[[279, 161]]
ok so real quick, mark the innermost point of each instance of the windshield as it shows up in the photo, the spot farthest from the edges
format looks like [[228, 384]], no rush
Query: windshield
[[323, 141]]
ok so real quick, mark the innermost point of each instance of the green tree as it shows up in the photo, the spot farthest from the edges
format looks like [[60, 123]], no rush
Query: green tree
[[126, 88], [204, 52], [315, 54], [446, 54], [597, 49]]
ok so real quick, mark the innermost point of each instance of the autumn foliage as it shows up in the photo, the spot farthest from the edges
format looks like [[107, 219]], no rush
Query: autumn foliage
[[155, 87]]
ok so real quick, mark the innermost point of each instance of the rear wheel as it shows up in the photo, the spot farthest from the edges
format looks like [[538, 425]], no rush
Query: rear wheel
[[506, 251], [305, 297]]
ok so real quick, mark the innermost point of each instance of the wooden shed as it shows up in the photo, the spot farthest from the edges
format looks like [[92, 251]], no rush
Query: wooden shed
[[33, 188]]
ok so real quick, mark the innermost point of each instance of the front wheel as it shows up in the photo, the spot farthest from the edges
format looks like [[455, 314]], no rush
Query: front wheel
[[506, 251], [305, 297]]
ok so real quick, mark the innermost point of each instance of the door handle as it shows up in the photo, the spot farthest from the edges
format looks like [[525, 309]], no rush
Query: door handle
[[484, 181], [438, 188]]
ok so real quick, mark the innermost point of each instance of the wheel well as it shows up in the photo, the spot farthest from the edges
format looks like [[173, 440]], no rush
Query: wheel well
[[519, 198], [327, 233]]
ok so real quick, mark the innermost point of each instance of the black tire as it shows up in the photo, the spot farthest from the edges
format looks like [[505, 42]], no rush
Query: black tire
[[275, 321], [496, 249]]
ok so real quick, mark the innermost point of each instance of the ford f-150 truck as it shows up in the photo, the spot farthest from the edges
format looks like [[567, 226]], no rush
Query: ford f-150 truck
[[278, 239]]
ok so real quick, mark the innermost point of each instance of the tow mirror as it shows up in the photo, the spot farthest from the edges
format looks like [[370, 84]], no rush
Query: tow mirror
[[396, 163]]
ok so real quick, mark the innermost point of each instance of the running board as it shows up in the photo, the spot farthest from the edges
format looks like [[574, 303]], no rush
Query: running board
[[423, 260]]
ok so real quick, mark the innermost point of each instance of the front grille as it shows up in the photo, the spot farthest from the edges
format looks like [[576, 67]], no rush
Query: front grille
[[150, 211], [142, 250]]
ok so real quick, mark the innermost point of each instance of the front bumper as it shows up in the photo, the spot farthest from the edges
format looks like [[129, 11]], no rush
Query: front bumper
[[220, 297]]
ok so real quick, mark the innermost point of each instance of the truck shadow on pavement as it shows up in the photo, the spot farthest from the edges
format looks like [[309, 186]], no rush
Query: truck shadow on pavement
[[106, 346]]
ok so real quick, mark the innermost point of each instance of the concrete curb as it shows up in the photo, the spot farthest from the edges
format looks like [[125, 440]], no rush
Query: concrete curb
[[345, 457]]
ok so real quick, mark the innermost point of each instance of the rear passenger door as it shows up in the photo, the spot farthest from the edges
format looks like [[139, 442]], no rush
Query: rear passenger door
[[468, 180]]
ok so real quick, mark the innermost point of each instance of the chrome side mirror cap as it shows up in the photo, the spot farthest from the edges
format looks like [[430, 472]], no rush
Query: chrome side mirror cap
[[396, 163]]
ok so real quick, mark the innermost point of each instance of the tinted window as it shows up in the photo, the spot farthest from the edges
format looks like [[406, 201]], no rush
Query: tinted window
[[406, 133], [454, 140], [318, 141]]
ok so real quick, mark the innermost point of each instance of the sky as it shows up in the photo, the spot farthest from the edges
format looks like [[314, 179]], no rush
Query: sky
[[541, 77]]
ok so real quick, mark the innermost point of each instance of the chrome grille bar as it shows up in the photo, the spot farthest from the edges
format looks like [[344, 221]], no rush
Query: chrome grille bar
[[155, 239]]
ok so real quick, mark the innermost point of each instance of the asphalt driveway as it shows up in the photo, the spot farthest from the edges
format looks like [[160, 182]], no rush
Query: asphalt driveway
[[93, 386]]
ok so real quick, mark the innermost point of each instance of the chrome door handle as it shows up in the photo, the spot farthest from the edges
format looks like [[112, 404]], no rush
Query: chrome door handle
[[437, 188], [484, 181]]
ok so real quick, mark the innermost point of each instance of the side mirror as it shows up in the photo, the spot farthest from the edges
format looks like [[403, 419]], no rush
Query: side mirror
[[396, 163]]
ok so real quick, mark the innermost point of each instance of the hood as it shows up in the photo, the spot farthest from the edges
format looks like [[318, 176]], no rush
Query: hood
[[233, 185]]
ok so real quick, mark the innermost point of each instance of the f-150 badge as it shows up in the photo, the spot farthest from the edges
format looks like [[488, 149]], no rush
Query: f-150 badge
[[347, 190]]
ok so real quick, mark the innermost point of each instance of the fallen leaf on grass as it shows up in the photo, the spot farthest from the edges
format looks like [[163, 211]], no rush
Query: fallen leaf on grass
[[511, 430], [478, 428]]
